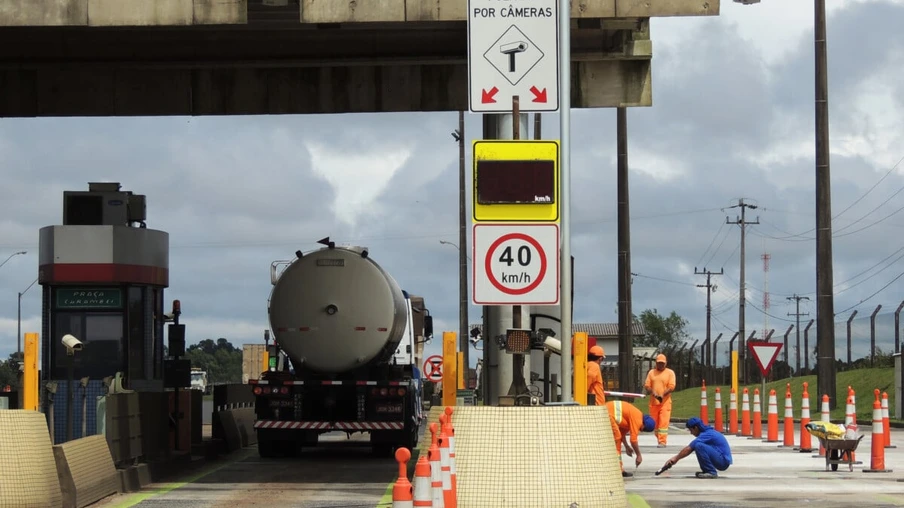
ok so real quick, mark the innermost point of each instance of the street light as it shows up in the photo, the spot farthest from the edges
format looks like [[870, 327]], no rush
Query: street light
[[11, 256], [19, 327]]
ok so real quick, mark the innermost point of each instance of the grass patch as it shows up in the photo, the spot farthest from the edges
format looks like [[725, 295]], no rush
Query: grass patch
[[686, 403]]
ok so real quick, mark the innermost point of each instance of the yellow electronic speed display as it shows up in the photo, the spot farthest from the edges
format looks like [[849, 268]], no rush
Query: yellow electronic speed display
[[516, 180]]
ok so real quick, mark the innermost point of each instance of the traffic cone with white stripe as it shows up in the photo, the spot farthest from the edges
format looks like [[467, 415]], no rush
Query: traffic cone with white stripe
[[805, 442], [745, 413], [402, 491], [757, 416], [885, 422], [450, 431], [877, 451], [436, 470], [772, 419], [789, 418], [446, 467], [824, 416], [850, 420], [718, 411], [422, 494], [733, 412], [704, 408]]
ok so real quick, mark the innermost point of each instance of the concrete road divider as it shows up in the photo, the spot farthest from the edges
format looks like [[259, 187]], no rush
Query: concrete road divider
[[28, 476], [86, 471], [238, 427]]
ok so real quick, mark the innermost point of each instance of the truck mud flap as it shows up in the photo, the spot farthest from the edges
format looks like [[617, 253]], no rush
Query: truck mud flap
[[343, 426]]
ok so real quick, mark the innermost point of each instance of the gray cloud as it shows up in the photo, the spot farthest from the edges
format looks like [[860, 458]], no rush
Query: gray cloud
[[238, 193]]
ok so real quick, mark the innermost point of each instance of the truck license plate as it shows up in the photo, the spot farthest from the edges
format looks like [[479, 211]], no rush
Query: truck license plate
[[281, 403], [389, 408]]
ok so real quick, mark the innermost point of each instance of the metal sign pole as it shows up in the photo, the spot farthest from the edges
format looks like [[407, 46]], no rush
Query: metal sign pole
[[565, 191]]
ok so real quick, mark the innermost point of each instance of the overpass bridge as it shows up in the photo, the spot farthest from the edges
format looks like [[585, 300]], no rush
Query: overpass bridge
[[250, 57]]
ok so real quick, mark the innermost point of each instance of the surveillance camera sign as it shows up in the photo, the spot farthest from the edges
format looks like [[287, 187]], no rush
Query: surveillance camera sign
[[513, 50]]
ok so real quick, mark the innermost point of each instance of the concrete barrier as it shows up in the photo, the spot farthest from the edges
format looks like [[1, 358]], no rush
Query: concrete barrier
[[28, 476], [238, 427], [86, 471]]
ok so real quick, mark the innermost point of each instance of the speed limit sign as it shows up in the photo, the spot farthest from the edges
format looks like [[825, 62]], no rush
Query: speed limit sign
[[516, 264]]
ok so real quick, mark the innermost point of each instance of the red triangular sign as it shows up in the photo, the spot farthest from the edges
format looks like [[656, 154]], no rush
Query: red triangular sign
[[765, 354]]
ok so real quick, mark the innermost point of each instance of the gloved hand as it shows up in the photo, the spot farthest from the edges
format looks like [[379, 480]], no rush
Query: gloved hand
[[629, 451], [638, 461], [658, 397]]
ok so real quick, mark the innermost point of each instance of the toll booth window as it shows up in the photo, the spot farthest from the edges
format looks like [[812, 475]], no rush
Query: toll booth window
[[102, 336], [514, 182], [136, 320]]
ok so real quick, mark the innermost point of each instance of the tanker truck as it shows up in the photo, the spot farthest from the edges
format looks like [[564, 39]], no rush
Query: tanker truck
[[343, 356]]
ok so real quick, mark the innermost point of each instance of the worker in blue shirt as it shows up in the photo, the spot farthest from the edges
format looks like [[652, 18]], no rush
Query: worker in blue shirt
[[710, 446]]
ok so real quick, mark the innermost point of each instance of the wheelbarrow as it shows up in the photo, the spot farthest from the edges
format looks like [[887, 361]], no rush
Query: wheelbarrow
[[840, 451]]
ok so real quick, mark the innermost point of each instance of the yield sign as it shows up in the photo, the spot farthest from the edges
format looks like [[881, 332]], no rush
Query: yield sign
[[765, 353]]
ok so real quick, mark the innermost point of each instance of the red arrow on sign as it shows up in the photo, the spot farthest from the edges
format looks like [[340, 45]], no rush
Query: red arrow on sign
[[765, 354], [487, 96], [538, 95]]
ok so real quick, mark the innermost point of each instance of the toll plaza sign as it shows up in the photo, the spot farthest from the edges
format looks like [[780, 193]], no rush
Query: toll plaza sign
[[516, 264], [88, 298]]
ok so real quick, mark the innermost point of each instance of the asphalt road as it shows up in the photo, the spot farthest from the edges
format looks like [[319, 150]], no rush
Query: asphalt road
[[341, 473]]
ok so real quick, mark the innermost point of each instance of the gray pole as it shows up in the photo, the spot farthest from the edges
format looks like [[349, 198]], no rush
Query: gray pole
[[565, 192], [462, 253], [498, 368], [625, 330], [872, 336], [898, 328], [849, 338], [797, 314], [825, 298], [19, 327], [742, 221]]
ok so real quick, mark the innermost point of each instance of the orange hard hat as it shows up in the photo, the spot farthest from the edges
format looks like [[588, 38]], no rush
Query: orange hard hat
[[660, 358], [598, 351]]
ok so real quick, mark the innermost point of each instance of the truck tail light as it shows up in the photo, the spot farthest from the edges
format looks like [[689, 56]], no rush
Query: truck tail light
[[284, 390], [257, 390], [384, 391], [400, 392]]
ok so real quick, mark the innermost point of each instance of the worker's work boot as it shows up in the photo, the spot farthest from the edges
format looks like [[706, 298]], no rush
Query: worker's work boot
[[701, 474]]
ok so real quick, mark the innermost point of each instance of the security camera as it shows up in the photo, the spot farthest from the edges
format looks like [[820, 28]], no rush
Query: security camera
[[554, 345], [72, 344], [515, 47]]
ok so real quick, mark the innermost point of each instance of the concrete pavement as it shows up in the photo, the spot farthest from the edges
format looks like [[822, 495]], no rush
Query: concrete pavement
[[765, 475]]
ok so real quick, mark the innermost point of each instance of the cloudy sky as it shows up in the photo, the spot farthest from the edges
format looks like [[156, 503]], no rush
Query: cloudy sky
[[732, 117]]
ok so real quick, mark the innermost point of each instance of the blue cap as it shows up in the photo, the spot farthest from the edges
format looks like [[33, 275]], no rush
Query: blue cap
[[648, 423], [694, 422]]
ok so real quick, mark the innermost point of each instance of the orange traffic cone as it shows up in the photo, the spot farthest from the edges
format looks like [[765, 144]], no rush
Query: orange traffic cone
[[450, 432], [885, 422], [877, 450], [718, 411], [757, 416], [733, 412], [850, 419], [402, 492], [745, 413], [448, 494], [789, 418], [422, 494], [436, 470], [704, 409], [772, 419], [824, 416], [853, 395], [805, 442]]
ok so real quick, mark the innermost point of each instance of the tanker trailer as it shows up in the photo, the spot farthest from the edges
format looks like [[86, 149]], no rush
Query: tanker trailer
[[342, 357]]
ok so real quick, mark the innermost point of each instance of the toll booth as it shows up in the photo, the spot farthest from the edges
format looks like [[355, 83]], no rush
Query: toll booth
[[103, 274]]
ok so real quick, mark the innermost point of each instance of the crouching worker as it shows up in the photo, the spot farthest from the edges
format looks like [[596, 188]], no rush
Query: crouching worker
[[711, 448], [626, 420]]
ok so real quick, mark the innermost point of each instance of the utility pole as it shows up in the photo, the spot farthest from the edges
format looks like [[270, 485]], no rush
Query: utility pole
[[709, 289], [797, 314], [625, 320], [459, 136], [825, 296], [742, 295]]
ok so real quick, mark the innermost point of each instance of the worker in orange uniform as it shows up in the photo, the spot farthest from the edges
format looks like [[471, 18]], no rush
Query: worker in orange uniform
[[660, 384], [595, 357], [626, 420]]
